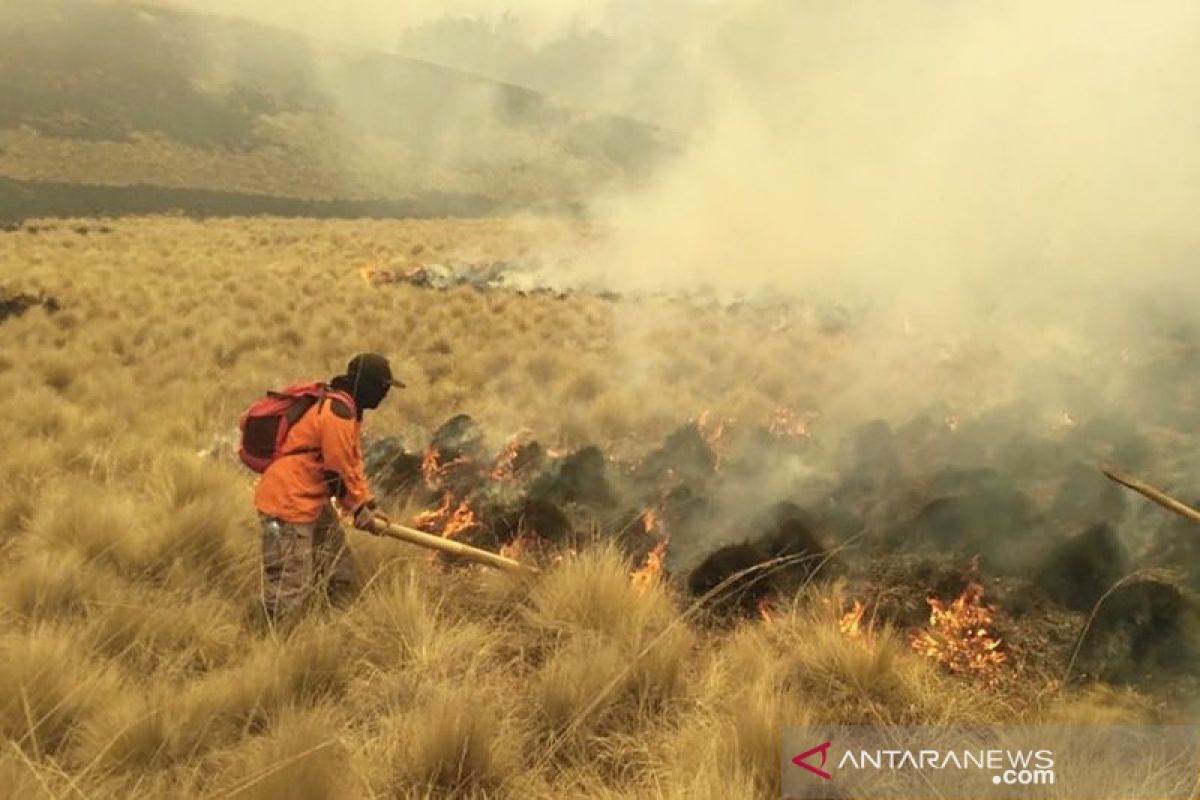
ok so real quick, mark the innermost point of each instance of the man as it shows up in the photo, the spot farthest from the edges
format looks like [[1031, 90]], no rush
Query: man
[[304, 549]]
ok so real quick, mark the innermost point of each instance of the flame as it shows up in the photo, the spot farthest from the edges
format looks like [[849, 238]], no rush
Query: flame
[[786, 424], [766, 610], [957, 636], [651, 570], [851, 622], [517, 547], [447, 519], [563, 554], [650, 521], [462, 519], [505, 466], [433, 470], [435, 520], [377, 276], [430, 467]]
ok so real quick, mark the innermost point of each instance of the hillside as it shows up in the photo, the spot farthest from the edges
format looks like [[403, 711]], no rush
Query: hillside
[[123, 95]]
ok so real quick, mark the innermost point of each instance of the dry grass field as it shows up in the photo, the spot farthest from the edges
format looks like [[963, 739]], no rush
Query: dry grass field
[[132, 659]]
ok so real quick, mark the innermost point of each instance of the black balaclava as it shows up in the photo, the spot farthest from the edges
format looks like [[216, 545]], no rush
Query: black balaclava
[[367, 379]]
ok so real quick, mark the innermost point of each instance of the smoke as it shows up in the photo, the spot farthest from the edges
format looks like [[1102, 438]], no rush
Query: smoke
[[1012, 159], [1006, 186], [615, 56], [1016, 157]]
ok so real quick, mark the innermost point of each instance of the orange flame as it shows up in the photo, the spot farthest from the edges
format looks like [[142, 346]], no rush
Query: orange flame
[[766, 610], [851, 622], [462, 519], [650, 521], [516, 548], [430, 467], [957, 636], [786, 424], [434, 520], [433, 470], [651, 570], [562, 554], [505, 465], [447, 519]]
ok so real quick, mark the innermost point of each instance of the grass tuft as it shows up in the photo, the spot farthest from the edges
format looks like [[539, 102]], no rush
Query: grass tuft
[[301, 759], [79, 516], [456, 744], [52, 587], [47, 689]]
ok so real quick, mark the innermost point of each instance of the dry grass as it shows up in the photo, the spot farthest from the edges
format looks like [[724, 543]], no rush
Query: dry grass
[[131, 663]]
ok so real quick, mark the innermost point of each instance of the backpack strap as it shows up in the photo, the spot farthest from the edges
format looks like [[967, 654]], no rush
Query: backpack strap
[[324, 394], [304, 404], [345, 397]]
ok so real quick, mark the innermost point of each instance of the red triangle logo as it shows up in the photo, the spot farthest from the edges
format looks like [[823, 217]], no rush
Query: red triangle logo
[[800, 760]]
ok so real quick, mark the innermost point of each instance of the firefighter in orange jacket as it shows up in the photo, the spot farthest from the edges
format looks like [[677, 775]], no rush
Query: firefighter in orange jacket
[[303, 546]]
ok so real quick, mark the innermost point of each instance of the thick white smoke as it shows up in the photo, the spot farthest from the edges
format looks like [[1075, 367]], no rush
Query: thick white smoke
[[994, 183], [1013, 156]]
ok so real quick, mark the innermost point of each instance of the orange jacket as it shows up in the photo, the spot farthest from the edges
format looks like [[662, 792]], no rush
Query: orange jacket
[[297, 485]]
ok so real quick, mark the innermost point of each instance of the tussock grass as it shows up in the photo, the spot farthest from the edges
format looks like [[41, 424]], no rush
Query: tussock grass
[[78, 516], [457, 743], [48, 687], [45, 414], [866, 682], [132, 733], [165, 631], [52, 587], [226, 705], [595, 594], [395, 622], [301, 758], [209, 538], [616, 657], [21, 777], [1098, 704]]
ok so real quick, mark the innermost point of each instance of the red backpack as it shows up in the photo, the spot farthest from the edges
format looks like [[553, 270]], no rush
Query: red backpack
[[265, 424]]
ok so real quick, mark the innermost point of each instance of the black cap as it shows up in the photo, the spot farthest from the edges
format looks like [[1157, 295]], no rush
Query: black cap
[[371, 368]]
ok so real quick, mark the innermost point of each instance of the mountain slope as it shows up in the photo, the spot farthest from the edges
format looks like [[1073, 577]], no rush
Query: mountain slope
[[122, 94]]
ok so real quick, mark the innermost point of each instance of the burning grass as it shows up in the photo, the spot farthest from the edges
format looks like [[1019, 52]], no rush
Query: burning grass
[[959, 636], [133, 662]]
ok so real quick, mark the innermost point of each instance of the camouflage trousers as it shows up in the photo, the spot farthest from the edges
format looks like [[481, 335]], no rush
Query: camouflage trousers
[[304, 563]]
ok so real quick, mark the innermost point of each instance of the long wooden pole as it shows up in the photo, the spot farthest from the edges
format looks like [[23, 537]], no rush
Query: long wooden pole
[[1162, 498], [428, 540]]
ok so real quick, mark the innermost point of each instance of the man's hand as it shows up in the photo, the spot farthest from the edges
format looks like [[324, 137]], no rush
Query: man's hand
[[367, 518]]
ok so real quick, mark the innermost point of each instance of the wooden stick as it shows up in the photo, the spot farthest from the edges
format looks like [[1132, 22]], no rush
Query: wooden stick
[[479, 556], [1162, 498]]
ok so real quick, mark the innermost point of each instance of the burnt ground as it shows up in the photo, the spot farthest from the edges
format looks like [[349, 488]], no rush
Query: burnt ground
[[14, 304], [21, 200], [1050, 544]]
